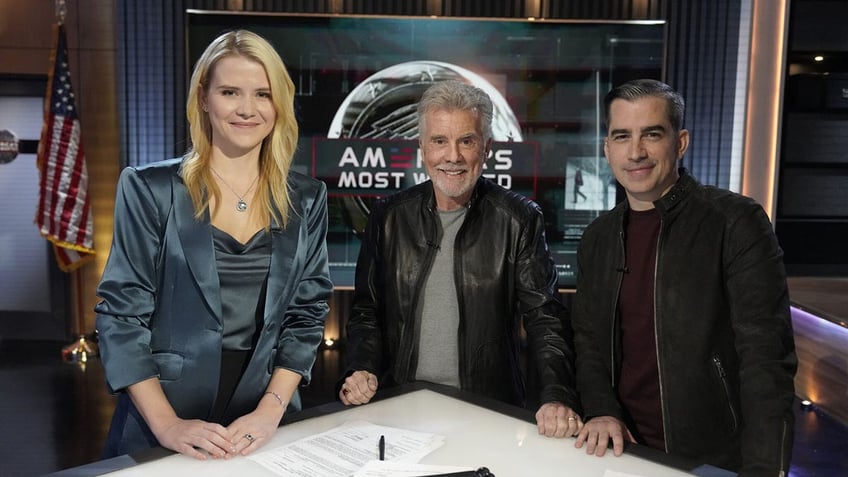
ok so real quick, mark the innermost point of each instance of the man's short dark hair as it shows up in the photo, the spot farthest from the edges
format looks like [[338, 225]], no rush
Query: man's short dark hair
[[641, 88]]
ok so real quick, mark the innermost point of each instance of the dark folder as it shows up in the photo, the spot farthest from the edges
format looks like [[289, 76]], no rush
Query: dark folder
[[481, 472]]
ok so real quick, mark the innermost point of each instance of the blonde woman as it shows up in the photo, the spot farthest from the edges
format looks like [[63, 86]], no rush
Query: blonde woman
[[215, 292]]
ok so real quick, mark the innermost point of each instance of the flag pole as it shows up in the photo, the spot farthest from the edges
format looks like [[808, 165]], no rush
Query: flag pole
[[80, 350], [66, 245]]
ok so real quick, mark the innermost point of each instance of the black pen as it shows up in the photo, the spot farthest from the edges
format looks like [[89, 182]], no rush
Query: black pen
[[382, 447]]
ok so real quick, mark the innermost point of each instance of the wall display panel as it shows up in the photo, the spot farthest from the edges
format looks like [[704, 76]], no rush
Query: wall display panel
[[359, 78], [815, 139], [814, 192], [27, 256], [35, 290]]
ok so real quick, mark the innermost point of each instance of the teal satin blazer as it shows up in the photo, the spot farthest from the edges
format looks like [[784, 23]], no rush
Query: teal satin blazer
[[160, 313]]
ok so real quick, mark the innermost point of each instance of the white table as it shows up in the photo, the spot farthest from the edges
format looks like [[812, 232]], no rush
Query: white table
[[504, 440]]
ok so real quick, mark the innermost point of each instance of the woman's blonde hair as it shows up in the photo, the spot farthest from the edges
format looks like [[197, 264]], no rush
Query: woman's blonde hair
[[277, 148]]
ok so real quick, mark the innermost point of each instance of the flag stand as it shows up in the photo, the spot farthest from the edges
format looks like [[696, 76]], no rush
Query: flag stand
[[65, 187], [82, 349]]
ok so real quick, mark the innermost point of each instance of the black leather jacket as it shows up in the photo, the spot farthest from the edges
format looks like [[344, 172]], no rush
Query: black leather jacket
[[725, 346], [504, 274]]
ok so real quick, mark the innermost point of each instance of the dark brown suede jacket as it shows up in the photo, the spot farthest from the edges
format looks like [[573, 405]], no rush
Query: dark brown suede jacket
[[725, 346], [504, 275]]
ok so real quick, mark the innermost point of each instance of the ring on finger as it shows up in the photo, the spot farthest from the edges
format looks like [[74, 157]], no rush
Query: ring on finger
[[572, 418], [249, 437]]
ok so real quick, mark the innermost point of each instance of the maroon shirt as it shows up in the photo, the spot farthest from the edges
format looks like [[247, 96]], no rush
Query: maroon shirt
[[639, 384]]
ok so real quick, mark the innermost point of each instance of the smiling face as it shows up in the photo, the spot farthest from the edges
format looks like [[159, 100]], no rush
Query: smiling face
[[643, 148], [454, 148], [238, 101]]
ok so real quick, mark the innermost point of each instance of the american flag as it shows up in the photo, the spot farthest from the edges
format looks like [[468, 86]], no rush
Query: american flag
[[64, 211]]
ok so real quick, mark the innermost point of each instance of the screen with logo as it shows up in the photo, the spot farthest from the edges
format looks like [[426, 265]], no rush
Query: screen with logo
[[359, 78]]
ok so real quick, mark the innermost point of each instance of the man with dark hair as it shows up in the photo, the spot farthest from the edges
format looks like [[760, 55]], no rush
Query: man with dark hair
[[681, 319]]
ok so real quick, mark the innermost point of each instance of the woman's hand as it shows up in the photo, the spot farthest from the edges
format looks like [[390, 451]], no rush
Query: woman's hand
[[190, 437], [186, 436], [254, 430]]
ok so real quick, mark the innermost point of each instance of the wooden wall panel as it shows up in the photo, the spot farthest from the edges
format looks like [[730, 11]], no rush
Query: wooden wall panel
[[94, 42], [96, 26], [102, 150], [26, 25], [25, 36]]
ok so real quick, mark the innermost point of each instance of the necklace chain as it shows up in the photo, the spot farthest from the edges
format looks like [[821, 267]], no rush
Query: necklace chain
[[241, 205]]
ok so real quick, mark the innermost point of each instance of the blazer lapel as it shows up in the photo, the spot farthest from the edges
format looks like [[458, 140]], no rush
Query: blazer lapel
[[198, 249], [284, 244]]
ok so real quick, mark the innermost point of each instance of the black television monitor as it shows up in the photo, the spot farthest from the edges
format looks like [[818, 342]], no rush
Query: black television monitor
[[358, 79]]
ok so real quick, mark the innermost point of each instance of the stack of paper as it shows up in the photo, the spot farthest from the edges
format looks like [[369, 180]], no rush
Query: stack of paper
[[344, 450], [377, 468]]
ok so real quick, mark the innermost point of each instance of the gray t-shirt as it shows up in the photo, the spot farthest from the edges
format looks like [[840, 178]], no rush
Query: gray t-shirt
[[438, 353]]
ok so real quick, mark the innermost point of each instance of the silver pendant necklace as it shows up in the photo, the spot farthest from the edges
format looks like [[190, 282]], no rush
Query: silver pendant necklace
[[241, 205]]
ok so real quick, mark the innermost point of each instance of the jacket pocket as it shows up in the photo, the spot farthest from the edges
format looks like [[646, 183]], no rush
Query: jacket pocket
[[490, 369], [728, 396], [170, 365]]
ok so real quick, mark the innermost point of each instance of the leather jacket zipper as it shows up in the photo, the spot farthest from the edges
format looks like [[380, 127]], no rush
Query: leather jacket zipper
[[460, 300], [782, 472], [409, 332], [614, 320], [657, 341], [722, 374]]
